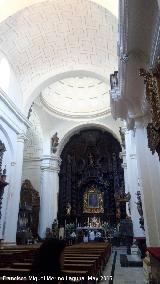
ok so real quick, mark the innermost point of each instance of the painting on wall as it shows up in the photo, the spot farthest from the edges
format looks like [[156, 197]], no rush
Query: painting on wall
[[93, 200]]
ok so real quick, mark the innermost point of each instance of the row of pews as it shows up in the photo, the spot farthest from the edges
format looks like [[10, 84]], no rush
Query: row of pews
[[84, 262]]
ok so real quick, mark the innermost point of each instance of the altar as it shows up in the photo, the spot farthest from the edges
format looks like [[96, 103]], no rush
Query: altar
[[87, 234]]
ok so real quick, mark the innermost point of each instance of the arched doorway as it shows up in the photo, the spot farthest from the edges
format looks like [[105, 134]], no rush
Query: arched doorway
[[90, 175]]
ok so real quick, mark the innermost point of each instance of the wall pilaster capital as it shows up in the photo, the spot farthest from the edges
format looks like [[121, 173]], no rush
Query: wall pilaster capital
[[50, 163], [122, 154]]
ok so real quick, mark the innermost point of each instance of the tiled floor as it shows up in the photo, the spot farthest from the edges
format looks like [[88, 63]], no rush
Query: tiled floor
[[123, 275]]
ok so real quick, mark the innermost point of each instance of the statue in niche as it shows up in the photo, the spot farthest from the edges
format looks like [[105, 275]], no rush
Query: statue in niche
[[68, 209], [54, 143]]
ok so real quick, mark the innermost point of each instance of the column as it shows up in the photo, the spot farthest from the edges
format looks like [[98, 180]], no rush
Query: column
[[133, 184], [12, 208], [124, 166], [149, 171], [50, 166]]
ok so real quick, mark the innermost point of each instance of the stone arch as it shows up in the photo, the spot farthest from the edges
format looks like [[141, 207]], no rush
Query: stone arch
[[90, 157], [58, 75], [81, 127]]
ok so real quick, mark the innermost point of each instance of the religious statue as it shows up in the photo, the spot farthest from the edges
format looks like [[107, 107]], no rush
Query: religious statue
[[140, 209], [30, 111], [118, 213], [95, 222], [68, 208], [54, 143], [114, 80], [3, 182]]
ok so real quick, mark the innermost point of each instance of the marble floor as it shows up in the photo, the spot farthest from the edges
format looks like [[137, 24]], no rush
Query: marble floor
[[122, 275]]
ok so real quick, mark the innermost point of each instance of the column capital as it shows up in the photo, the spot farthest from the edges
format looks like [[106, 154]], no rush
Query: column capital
[[50, 163]]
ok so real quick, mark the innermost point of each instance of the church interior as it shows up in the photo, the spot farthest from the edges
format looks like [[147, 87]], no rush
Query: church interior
[[80, 138]]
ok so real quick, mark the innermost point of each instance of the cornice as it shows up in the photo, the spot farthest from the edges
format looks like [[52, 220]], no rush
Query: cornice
[[13, 108], [50, 163], [60, 114], [32, 159]]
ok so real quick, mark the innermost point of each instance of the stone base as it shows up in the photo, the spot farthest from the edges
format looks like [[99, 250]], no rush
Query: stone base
[[130, 261]]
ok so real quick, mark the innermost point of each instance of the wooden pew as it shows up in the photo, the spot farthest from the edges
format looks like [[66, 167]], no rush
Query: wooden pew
[[82, 259]]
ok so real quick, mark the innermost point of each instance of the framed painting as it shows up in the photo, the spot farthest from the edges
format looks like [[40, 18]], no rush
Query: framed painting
[[93, 200]]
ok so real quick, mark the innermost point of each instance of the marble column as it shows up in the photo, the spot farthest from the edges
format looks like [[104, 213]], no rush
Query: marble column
[[149, 178], [12, 208], [50, 166], [133, 184]]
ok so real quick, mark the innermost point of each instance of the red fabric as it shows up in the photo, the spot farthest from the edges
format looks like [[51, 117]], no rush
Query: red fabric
[[154, 251]]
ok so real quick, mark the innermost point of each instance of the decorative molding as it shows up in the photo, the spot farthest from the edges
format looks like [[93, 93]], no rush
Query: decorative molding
[[32, 159], [8, 102], [60, 114], [50, 163], [22, 137], [152, 83]]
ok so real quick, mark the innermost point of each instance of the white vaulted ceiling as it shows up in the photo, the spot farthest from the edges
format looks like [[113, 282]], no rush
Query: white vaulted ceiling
[[50, 38], [9, 7]]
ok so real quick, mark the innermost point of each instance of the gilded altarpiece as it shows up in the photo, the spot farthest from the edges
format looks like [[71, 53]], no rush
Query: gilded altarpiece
[[152, 82], [90, 174]]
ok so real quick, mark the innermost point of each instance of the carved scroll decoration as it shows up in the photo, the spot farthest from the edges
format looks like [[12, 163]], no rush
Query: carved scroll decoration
[[152, 81]]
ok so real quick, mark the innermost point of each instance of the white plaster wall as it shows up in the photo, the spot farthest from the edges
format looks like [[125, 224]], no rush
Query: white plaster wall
[[7, 158], [33, 150], [149, 174], [12, 129], [9, 215], [8, 82], [67, 127], [133, 177], [44, 127], [44, 175]]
